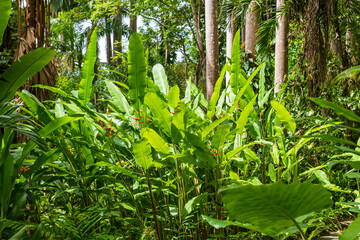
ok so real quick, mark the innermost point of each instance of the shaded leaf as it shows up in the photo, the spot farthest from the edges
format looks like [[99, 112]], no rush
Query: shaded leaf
[[274, 207]]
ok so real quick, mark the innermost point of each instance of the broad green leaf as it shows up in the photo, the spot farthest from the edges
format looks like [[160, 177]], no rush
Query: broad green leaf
[[190, 205], [50, 156], [59, 109], [284, 116], [160, 112], [213, 125], [220, 136], [219, 106], [26, 67], [55, 124], [5, 9], [239, 95], [225, 223], [157, 142], [215, 222], [160, 78], [188, 91], [136, 69], [275, 207], [116, 168], [142, 152], [174, 96], [36, 107], [252, 76], [338, 110], [87, 72], [232, 153], [240, 124], [53, 89], [262, 85], [215, 96], [352, 232], [118, 99], [235, 80], [265, 99], [6, 177]]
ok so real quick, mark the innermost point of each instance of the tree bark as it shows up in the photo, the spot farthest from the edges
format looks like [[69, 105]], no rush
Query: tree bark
[[230, 34], [108, 42], [316, 45], [133, 18], [281, 47], [118, 34], [199, 40], [251, 29], [212, 46]]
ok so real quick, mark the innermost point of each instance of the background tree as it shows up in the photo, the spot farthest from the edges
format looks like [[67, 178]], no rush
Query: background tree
[[212, 46], [281, 46]]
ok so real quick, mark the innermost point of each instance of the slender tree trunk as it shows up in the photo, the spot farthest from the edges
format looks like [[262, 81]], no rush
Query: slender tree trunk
[[108, 42], [251, 29], [230, 34], [196, 11], [19, 17], [118, 34], [133, 18], [281, 47], [42, 24], [212, 46]]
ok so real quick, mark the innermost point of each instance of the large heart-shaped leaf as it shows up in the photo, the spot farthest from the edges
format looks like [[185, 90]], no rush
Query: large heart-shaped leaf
[[275, 207]]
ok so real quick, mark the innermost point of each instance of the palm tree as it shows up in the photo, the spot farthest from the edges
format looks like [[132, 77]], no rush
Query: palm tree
[[281, 46], [212, 46]]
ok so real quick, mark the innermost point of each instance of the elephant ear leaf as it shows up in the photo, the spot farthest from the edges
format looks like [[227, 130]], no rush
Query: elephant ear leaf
[[17, 74], [275, 207], [87, 73], [5, 9], [284, 116]]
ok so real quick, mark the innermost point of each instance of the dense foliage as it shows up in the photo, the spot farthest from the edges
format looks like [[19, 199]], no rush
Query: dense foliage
[[131, 148]]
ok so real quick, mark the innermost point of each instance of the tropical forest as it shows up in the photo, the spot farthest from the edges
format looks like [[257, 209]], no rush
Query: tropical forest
[[179, 119]]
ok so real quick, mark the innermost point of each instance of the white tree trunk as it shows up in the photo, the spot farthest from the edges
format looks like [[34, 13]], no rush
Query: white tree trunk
[[281, 48], [212, 46]]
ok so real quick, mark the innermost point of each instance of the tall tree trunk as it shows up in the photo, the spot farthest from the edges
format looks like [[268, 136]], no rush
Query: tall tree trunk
[[32, 13], [108, 41], [133, 18], [212, 46], [196, 11], [118, 34], [251, 29], [19, 17], [281, 47], [230, 34], [316, 44]]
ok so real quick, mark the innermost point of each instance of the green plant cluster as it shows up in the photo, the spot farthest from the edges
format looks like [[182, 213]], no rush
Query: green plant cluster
[[156, 165]]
